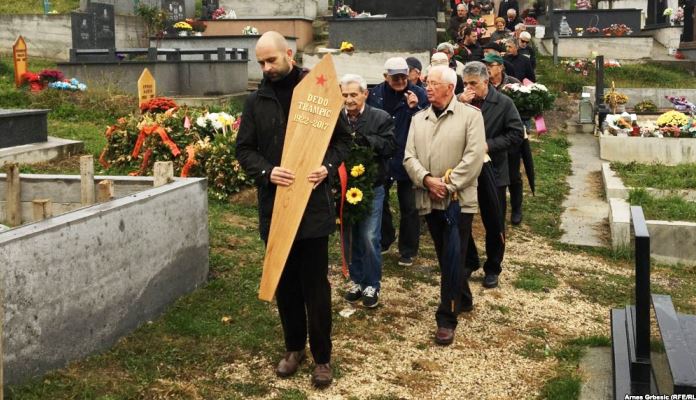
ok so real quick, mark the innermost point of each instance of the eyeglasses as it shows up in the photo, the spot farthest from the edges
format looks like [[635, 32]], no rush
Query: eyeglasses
[[431, 83], [524, 41]]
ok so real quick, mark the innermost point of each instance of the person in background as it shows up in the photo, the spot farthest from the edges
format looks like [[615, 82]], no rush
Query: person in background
[[415, 68], [303, 295], [521, 64], [525, 48], [486, 6], [371, 128], [448, 49], [506, 5], [457, 20], [501, 32], [512, 19], [469, 45], [446, 136], [400, 99], [442, 59]]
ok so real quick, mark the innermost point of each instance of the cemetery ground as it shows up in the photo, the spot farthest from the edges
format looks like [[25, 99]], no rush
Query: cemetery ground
[[524, 339]]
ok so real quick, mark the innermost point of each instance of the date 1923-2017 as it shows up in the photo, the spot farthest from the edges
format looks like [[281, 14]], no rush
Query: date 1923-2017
[[661, 397], [315, 123]]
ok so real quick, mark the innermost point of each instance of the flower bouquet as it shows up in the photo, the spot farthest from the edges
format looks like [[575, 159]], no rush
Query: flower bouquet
[[678, 17], [71, 85], [592, 30], [667, 13], [183, 28], [51, 75], [477, 25], [219, 13], [362, 170], [670, 123], [34, 81], [531, 100], [645, 106], [617, 30], [344, 11], [681, 104], [579, 66], [530, 21], [250, 31], [198, 27], [347, 47], [211, 124], [158, 105]]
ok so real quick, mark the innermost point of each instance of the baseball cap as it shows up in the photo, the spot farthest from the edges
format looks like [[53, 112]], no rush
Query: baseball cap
[[413, 62], [396, 66], [493, 58], [439, 59]]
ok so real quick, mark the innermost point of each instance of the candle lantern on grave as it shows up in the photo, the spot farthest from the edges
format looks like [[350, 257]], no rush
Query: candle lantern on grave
[[586, 110]]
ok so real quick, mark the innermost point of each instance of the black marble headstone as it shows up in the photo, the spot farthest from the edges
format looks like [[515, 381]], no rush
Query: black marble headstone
[[19, 127], [82, 25], [104, 25], [175, 10], [208, 7], [402, 8]]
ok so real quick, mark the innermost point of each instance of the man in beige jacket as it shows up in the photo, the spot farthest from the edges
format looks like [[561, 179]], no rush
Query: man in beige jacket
[[447, 135]]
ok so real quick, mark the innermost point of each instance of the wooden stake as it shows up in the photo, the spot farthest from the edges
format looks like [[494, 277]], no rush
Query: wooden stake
[[87, 180], [14, 205], [164, 172], [105, 191], [42, 208]]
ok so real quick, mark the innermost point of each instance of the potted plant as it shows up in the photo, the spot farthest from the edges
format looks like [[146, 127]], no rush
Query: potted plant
[[183, 28], [198, 27]]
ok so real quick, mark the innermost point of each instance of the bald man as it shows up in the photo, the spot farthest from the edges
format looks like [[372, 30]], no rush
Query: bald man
[[303, 295]]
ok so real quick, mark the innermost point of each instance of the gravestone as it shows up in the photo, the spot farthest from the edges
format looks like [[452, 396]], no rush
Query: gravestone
[[104, 25], [19, 53], [404, 8], [82, 26], [130, 7], [208, 7], [20, 127], [147, 87], [175, 11]]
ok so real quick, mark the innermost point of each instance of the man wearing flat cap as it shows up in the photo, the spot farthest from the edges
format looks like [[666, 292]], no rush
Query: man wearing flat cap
[[414, 71]]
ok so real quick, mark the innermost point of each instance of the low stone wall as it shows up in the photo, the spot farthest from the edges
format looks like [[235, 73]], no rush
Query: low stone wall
[[668, 151], [622, 48], [368, 65], [49, 36], [380, 34], [656, 95], [254, 8], [297, 27], [668, 36], [671, 242], [208, 42], [174, 78], [76, 283]]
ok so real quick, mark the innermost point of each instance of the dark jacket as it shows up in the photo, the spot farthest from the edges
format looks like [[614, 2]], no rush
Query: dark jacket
[[522, 66], [402, 122], [503, 131], [505, 5], [454, 24], [376, 128], [507, 79], [510, 25], [530, 53], [474, 51], [259, 149]]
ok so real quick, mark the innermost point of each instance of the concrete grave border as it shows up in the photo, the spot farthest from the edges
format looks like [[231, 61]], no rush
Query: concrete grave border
[[672, 242], [647, 150], [76, 283]]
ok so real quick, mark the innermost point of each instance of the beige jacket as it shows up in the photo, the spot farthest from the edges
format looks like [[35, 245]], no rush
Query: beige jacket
[[455, 140]]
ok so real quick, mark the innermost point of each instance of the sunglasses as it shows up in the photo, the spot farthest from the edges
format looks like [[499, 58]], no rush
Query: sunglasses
[[524, 41]]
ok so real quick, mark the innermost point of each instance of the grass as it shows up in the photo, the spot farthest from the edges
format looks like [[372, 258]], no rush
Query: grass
[[670, 208], [535, 279], [36, 6], [551, 164], [629, 75], [658, 176]]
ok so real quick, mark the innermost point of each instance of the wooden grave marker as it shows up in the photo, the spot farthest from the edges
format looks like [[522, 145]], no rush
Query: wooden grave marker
[[314, 110], [147, 87], [19, 53]]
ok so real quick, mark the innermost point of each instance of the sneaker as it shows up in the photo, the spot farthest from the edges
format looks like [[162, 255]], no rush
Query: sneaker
[[370, 297], [490, 281], [354, 293], [406, 261]]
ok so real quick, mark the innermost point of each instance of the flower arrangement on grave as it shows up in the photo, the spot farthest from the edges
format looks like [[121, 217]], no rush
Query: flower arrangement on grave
[[344, 11], [51, 75], [182, 26], [361, 169], [477, 25], [672, 118], [611, 63], [578, 31], [530, 99], [667, 12], [198, 26], [617, 30], [347, 47], [614, 98], [530, 21], [645, 106], [579, 66], [34, 81], [250, 30], [158, 105], [619, 124], [678, 17], [73, 85], [219, 13], [682, 104], [592, 30], [136, 141], [583, 5]]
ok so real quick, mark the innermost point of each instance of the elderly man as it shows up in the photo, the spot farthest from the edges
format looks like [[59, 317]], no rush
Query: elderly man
[[371, 128], [503, 132], [512, 19], [525, 48], [442, 59], [506, 5], [448, 49], [456, 21], [496, 71], [400, 99], [303, 294], [521, 64], [414, 71], [447, 136]]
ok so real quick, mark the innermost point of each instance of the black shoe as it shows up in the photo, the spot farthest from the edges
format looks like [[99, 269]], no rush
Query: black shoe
[[467, 307], [490, 281], [467, 272], [370, 297], [516, 217], [406, 261], [354, 293]]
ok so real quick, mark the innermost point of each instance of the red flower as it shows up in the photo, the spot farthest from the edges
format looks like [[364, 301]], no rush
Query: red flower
[[158, 105]]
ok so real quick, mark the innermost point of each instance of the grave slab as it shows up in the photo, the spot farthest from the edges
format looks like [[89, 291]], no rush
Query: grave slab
[[53, 148], [379, 34], [297, 27], [19, 127], [647, 150]]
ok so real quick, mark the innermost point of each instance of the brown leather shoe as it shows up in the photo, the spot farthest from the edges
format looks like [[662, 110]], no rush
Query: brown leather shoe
[[289, 364], [444, 336], [322, 376]]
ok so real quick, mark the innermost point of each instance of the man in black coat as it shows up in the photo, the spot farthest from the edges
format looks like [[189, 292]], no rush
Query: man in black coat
[[503, 132], [506, 5], [521, 64], [303, 294], [374, 129]]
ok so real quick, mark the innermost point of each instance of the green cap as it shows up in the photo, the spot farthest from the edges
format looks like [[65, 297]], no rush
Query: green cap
[[491, 58]]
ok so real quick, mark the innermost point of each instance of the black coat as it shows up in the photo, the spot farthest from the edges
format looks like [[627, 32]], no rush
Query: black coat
[[530, 53], [505, 5], [503, 131], [376, 128], [522, 66], [260, 143]]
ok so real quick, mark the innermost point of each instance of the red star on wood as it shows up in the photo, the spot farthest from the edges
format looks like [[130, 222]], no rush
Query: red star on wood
[[321, 80]]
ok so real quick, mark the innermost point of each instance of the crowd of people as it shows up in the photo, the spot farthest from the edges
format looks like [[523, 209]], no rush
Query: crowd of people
[[443, 135]]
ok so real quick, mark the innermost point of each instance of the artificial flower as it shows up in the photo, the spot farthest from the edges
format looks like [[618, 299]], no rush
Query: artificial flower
[[357, 170], [354, 195]]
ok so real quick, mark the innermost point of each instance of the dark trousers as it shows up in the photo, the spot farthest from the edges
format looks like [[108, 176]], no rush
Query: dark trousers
[[444, 316], [495, 247], [516, 193], [304, 298], [409, 222]]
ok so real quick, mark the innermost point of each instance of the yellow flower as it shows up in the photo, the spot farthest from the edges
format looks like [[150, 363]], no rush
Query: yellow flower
[[357, 170], [354, 195]]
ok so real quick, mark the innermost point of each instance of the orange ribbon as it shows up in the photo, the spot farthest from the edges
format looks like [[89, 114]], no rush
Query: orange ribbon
[[143, 165], [190, 161], [343, 177], [149, 130]]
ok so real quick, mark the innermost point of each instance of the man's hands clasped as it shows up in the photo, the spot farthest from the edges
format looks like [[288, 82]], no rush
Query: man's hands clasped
[[284, 177]]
